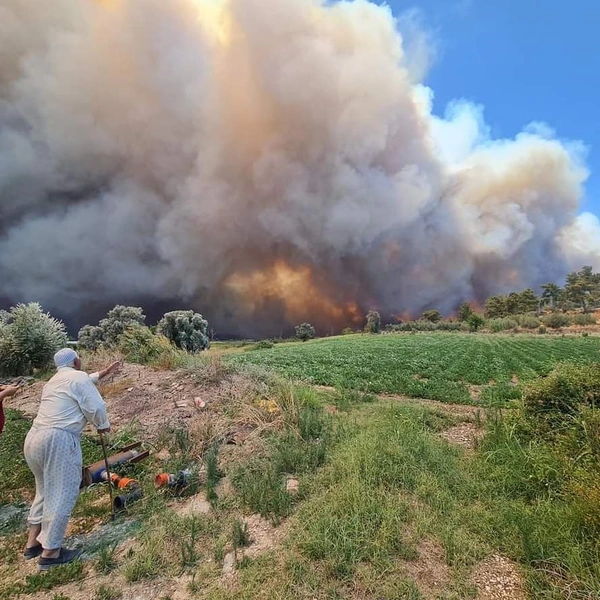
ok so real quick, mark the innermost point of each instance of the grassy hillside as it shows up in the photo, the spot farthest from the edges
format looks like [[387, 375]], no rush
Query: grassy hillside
[[310, 493], [435, 366]]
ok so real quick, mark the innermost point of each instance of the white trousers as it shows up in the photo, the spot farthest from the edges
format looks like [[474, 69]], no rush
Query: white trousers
[[54, 457]]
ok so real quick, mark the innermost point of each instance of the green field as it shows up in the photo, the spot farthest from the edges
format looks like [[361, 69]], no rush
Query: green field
[[437, 366]]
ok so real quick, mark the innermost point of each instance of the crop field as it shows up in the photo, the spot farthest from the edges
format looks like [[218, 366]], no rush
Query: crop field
[[445, 367]]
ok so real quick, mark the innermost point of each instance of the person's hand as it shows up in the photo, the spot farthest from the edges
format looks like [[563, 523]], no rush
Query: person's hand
[[115, 367], [9, 390]]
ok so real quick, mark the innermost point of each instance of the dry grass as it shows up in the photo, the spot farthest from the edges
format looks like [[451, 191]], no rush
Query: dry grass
[[99, 359], [115, 388]]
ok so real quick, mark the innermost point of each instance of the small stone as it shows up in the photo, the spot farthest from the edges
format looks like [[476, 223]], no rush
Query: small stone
[[229, 565], [292, 485]]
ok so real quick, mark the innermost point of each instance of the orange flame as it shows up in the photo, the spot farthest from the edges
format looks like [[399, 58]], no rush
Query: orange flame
[[296, 290]]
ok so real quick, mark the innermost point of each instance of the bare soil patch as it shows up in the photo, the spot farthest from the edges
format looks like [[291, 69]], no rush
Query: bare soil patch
[[197, 504], [430, 571], [498, 578], [150, 398], [463, 434], [263, 536]]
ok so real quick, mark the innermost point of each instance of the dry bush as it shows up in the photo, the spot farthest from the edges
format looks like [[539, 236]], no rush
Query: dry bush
[[209, 370], [99, 359]]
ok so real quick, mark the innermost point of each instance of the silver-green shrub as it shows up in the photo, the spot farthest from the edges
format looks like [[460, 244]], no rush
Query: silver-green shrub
[[186, 329], [28, 339]]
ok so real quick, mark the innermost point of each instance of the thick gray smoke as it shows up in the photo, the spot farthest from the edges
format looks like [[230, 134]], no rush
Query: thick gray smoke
[[263, 161]]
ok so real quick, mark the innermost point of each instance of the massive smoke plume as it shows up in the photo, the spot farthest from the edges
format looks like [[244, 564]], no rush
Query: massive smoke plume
[[263, 161]]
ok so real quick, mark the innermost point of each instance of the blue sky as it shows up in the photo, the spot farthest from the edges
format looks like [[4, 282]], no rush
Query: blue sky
[[524, 61]]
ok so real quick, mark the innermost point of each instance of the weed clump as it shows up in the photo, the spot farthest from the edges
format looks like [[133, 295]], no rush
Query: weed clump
[[105, 592], [262, 489], [240, 536], [213, 473], [551, 400], [170, 545]]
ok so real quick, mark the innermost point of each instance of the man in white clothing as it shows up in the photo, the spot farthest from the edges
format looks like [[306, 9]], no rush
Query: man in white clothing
[[52, 448]]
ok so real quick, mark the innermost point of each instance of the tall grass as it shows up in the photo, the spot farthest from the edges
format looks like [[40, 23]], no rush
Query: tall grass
[[391, 483], [504, 324]]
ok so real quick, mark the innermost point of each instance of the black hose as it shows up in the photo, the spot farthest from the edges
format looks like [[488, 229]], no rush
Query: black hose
[[123, 501]]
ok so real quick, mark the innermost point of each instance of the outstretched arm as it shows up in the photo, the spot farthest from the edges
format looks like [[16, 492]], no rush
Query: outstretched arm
[[114, 368]]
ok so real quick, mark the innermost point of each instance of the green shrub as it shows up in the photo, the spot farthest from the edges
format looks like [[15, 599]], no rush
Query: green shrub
[[432, 315], [118, 320], [584, 319], [111, 328], [423, 325], [262, 345], [503, 324], [475, 322], [373, 322], [527, 321], [542, 330], [90, 337], [465, 311], [28, 339], [347, 331], [305, 332], [556, 320], [186, 329]]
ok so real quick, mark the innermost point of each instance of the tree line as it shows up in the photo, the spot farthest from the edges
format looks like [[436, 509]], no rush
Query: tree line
[[581, 290]]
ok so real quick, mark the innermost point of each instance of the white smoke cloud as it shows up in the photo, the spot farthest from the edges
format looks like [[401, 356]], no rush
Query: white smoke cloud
[[264, 162]]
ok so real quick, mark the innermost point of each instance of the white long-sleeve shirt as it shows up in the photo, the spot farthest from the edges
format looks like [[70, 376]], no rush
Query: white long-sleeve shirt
[[70, 400]]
